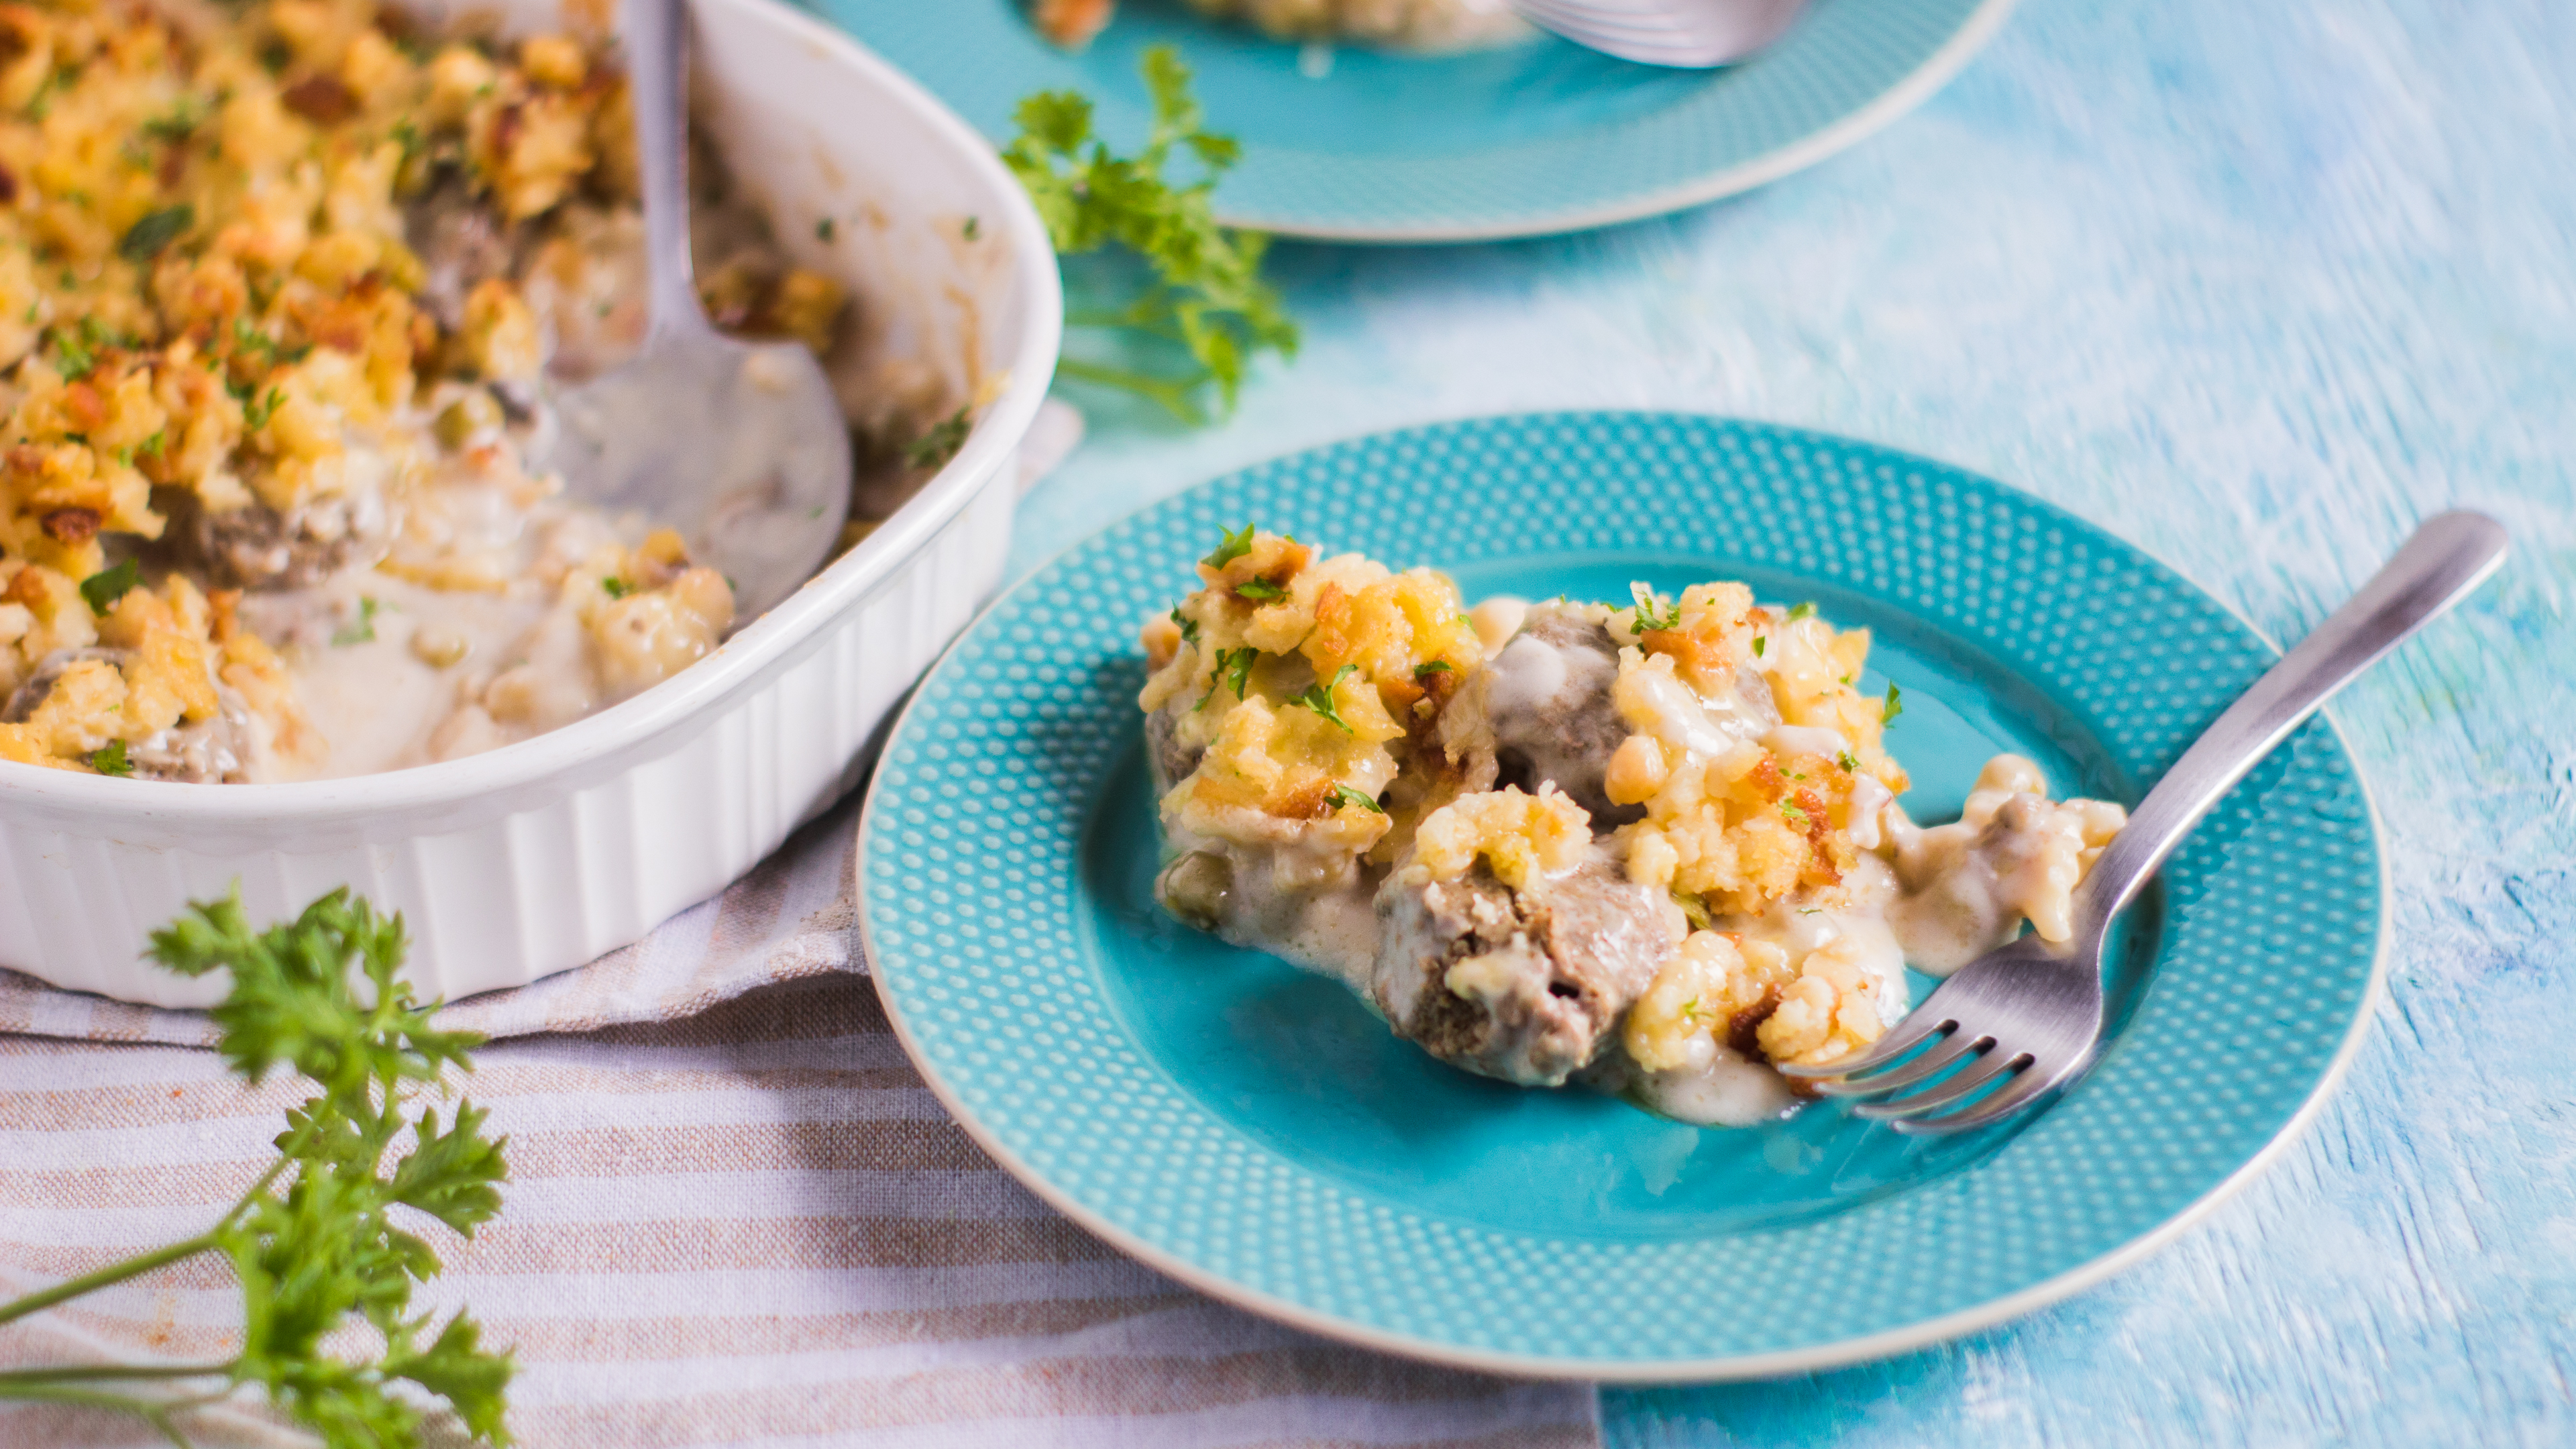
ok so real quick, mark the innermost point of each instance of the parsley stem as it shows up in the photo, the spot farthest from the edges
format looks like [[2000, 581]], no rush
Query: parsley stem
[[86, 1371], [1174, 396], [157, 1415], [134, 1267]]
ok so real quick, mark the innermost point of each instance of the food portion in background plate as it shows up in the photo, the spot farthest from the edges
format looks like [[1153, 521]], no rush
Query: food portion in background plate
[[1433, 25], [1655, 848], [279, 287]]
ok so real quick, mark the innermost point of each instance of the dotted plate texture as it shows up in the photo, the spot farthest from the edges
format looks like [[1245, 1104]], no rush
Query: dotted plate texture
[[1526, 140], [2265, 962]]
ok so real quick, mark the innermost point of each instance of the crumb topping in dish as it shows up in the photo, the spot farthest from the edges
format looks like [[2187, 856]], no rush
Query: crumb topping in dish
[[278, 284], [1655, 847]]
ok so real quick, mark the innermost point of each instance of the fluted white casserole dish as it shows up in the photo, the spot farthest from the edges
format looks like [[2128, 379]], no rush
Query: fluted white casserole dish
[[543, 855]]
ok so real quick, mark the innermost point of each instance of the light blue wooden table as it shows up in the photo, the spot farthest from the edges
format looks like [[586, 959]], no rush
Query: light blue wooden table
[[2255, 286]]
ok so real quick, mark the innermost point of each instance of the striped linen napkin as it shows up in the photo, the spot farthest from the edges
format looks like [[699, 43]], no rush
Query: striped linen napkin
[[736, 1217]]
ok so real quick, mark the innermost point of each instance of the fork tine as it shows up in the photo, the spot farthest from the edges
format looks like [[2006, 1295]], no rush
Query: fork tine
[[1951, 1050], [1909, 1033], [1987, 1070], [2036, 1082]]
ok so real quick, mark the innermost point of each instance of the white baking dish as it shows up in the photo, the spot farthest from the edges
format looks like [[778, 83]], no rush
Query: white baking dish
[[543, 855]]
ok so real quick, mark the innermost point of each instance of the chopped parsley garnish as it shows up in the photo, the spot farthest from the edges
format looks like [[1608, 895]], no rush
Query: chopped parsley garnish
[[1694, 910], [1234, 670], [1345, 795], [144, 240], [1650, 615], [1234, 546], [362, 629], [1796, 816], [1802, 611], [248, 338], [1260, 591], [1189, 627], [72, 357], [176, 123], [1690, 1011], [1812, 911], [109, 759], [1894, 706], [1850, 764], [1759, 640], [105, 587], [1198, 294], [933, 449], [255, 416], [154, 444], [823, 230], [1319, 697], [615, 587], [1436, 666], [973, 228]]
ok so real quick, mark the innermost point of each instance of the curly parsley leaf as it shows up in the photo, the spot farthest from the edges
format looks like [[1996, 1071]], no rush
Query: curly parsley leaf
[[360, 630], [1801, 611], [1260, 591], [1892, 706], [1436, 666], [109, 759], [1319, 697], [1651, 610], [1345, 795], [1201, 286], [1234, 670], [934, 448], [104, 588], [1230, 546], [146, 238]]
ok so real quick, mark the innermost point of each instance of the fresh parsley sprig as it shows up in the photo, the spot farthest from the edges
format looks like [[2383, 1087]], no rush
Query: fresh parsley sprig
[[313, 1241], [1205, 291]]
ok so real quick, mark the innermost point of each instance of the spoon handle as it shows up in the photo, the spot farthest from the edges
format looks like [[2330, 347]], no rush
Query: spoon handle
[[657, 79], [2446, 559]]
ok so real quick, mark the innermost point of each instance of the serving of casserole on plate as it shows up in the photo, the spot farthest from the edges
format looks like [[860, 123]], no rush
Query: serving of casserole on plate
[[1257, 1129]]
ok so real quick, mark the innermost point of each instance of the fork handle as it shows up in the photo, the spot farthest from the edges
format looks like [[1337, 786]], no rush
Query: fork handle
[[2445, 560]]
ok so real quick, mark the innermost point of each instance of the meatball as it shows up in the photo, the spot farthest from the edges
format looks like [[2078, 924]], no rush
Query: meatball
[[1522, 985], [1170, 760], [258, 547], [1547, 696]]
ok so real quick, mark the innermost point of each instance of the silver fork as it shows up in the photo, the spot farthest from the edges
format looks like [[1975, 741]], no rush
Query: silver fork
[[1686, 34], [2024, 1020]]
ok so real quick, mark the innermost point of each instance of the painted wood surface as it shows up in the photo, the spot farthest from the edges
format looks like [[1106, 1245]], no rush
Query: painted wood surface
[[2255, 286]]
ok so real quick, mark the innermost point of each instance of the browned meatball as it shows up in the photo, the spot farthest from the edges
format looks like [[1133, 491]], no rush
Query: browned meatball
[[1522, 985]]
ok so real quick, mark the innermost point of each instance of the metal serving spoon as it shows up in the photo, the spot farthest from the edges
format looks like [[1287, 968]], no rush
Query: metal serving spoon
[[740, 446], [2021, 1021], [1686, 34]]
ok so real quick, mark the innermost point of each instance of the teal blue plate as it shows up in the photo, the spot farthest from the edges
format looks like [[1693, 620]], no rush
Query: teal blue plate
[[1522, 141], [1256, 1132]]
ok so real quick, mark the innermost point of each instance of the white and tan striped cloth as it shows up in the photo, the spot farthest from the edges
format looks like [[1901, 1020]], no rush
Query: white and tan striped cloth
[[736, 1217]]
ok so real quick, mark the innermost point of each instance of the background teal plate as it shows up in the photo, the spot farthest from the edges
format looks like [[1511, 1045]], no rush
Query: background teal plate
[[1523, 141], [1256, 1132]]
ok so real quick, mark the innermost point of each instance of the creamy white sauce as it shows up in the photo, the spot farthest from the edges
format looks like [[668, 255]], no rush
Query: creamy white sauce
[[1525, 676], [1788, 739], [1729, 1090]]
